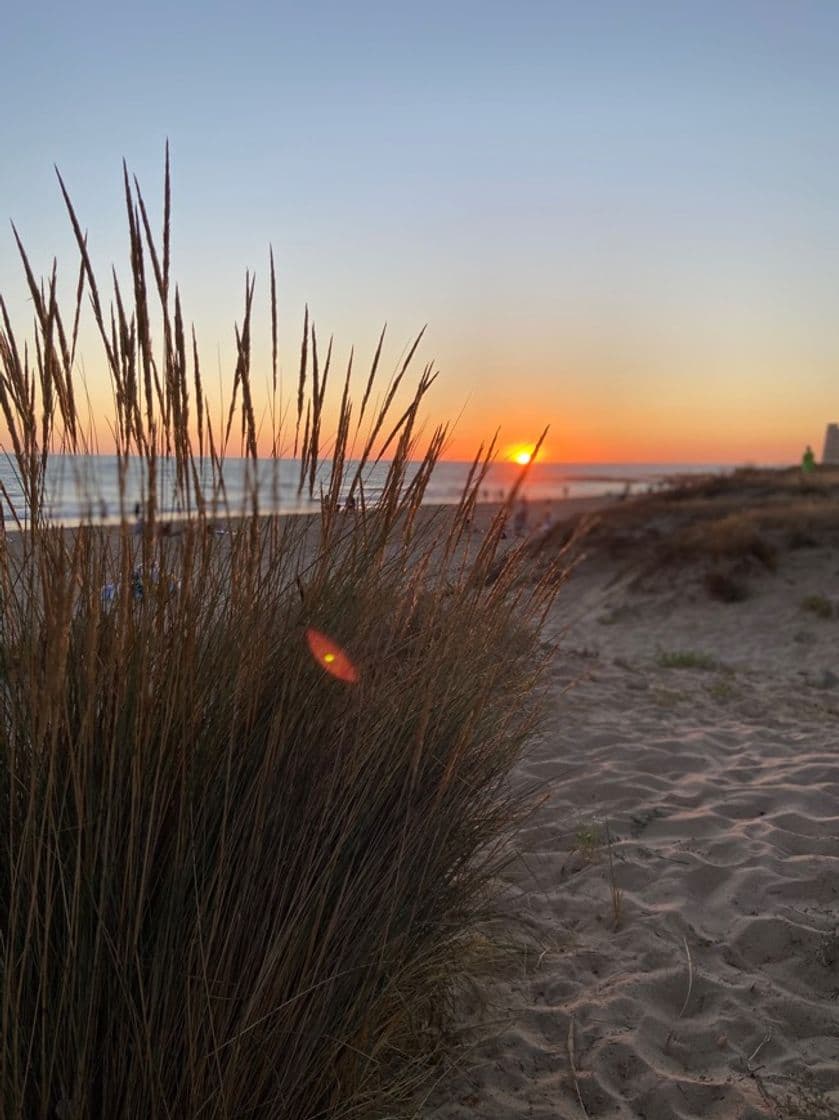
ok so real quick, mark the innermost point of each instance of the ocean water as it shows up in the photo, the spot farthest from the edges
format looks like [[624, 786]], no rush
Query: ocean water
[[80, 488]]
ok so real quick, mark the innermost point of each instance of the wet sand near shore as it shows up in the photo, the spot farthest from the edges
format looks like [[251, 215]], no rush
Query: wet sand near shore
[[305, 527]]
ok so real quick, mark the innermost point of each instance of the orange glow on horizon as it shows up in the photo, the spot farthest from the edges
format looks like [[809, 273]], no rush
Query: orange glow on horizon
[[583, 434]]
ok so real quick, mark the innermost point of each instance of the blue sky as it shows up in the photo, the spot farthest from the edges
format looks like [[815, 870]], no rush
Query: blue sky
[[620, 218]]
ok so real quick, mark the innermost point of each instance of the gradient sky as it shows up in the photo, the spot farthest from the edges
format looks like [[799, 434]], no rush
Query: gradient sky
[[621, 219]]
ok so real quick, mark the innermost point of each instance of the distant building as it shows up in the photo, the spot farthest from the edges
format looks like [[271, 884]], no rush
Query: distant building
[[831, 444]]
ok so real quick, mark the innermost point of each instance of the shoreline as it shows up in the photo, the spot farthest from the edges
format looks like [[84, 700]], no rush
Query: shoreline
[[84, 497], [559, 509]]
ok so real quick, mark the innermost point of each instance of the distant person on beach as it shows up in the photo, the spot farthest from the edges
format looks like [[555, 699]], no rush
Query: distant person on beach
[[349, 505], [520, 520], [808, 460]]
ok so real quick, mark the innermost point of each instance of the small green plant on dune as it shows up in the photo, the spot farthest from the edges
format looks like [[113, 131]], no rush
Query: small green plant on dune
[[253, 786], [668, 697], [686, 659], [588, 840], [615, 615], [722, 690], [817, 604]]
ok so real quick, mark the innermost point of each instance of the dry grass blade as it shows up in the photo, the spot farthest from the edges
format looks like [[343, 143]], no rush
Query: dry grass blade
[[573, 1067], [273, 305], [371, 378], [690, 978], [616, 894], [301, 380]]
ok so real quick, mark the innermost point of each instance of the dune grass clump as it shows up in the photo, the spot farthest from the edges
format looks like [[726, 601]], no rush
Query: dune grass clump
[[799, 536], [733, 537], [253, 783]]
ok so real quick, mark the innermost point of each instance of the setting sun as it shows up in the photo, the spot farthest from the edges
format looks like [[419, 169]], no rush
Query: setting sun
[[521, 454]]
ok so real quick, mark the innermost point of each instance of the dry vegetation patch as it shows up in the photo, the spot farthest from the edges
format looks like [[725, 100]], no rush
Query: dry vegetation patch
[[724, 533], [818, 604], [687, 659], [253, 787]]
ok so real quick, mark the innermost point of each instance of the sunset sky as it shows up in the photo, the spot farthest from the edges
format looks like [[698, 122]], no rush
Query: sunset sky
[[619, 218]]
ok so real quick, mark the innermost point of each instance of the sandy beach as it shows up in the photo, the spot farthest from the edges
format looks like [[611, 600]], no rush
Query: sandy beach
[[668, 942], [672, 910]]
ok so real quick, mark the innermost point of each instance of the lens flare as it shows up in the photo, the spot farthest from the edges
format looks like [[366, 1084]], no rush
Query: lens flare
[[330, 656]]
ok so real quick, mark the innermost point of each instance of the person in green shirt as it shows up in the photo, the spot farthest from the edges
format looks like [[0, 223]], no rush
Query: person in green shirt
[[808, 460]]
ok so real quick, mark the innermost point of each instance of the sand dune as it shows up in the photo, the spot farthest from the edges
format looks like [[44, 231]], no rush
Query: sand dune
[[702, 739]]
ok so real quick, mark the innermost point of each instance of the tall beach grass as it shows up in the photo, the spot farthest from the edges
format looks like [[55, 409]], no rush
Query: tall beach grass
[[236, 881]]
